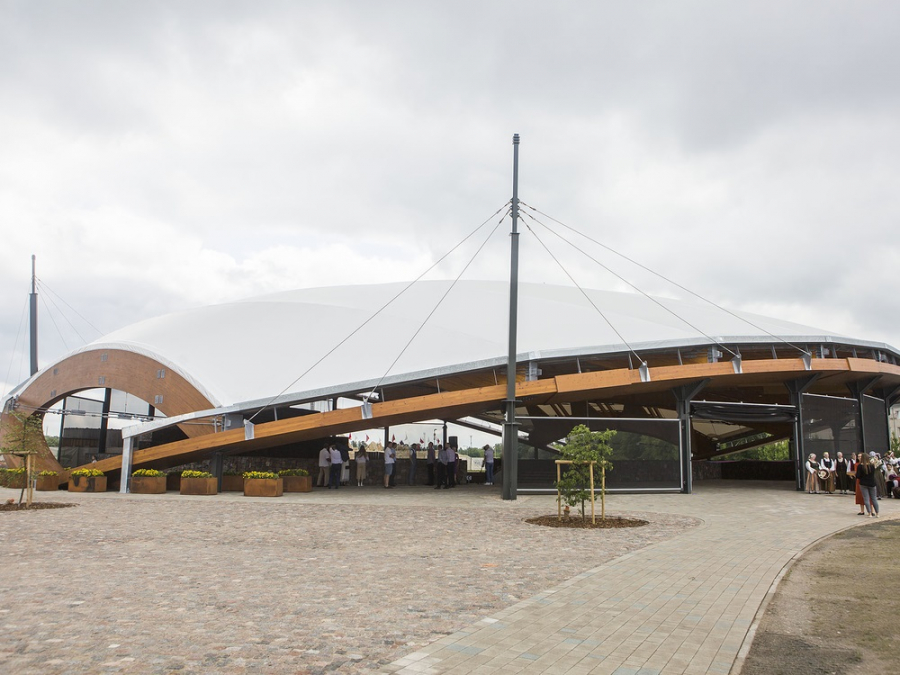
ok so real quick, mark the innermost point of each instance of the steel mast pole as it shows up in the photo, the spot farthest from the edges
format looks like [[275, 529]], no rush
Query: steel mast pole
[[33, 319], [510, 432]]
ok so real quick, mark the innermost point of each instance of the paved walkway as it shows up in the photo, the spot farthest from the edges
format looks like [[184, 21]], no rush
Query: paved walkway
[[686, 605], [230, 584]]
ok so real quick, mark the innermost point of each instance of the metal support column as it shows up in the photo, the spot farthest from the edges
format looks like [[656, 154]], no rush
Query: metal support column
[[510, 432], [125, 481], [32, 319], [797, 388], [216, 467], [683, 397], [104, 421]]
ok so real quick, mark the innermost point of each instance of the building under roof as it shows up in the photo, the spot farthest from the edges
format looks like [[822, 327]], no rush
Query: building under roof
[[701, 380]]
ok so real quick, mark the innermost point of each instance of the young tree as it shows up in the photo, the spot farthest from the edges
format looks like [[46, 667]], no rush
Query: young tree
[[23, 435], [585, 448]]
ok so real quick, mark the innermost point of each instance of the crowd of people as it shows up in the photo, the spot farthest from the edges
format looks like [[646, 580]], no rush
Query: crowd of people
[[442, 463], [869, 476]]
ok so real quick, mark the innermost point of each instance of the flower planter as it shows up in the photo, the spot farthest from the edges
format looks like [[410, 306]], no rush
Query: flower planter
[[199, 486], [148, 485], [87, 484], [297, 483], [47, 483], [264, 487], [232, 483]]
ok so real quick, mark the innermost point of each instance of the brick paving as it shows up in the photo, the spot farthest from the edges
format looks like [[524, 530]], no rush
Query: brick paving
[[398, 581], [686, 605], [348, 581]]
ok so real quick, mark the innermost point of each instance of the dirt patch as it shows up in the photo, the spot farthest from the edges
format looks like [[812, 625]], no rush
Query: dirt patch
[[832, 614], [611, 522], [35, 506]]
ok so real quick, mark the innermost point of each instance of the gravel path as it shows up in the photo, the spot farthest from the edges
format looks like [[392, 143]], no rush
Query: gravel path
[[347, 581]]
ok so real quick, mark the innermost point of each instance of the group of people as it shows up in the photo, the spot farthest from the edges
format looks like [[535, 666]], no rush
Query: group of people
[[868, 475], [442, 463]]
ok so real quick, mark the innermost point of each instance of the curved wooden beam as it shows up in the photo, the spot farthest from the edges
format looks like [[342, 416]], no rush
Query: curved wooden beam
[[563, 388]]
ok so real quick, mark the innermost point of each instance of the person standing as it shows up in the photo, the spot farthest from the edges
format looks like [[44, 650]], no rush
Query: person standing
[[878, 465], [345, 464], [840, 470], [413, 458], [389, 461], [441, 468], [452, 461], [812, 466], [828, 482], [324, 466], [337, 463], [361, 461], [852, 463], [393, 481], [865, 477], [488, 465], [429, 460]]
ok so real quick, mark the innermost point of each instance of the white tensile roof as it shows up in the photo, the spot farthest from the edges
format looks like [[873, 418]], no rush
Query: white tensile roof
[[248, 351]]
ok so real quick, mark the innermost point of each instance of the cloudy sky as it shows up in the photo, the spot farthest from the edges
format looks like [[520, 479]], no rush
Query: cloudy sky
[[159, 156]]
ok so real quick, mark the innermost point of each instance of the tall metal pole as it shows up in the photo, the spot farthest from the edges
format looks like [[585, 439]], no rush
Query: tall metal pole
[[510, 433], [33, 319]]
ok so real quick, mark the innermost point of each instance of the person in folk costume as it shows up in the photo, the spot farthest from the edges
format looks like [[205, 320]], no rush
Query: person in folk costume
[[827, 483], [860, 502], [840, 470], [852, 463], [812, 466]]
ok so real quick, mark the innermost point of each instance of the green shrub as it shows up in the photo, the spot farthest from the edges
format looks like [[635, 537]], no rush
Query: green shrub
[[293, 472], [253, 475], [189, 473], [88, 472]]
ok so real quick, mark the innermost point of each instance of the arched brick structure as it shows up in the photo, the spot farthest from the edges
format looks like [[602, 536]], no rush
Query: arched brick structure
[[146, 378]]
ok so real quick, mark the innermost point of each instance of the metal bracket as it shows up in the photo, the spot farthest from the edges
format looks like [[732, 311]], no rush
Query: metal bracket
[[645, 372]]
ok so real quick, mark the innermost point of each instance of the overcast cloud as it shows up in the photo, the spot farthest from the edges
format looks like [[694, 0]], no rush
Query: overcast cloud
[[159, 156]]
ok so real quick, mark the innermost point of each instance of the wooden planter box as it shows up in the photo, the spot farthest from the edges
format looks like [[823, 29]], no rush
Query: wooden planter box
[[297, 483], [232, 483], [47, 483], [16, 481], [200, 486], [263, 487], [87, 484], [148, 485]]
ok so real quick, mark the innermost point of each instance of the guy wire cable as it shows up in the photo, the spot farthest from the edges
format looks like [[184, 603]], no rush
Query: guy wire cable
[[435, 308], [378, 311], [55, 325], [43, 285], [624, 280], [584, 293], [12, 356], [674, 283], [62, 313]]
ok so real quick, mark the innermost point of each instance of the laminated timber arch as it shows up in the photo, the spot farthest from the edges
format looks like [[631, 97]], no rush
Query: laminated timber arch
[[836, 374], [128, 371]]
